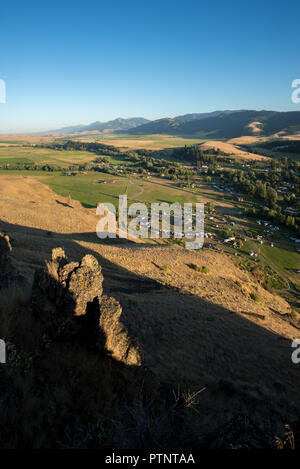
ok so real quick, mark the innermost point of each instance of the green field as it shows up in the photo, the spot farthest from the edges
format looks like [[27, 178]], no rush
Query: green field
[[17, 154], [90, 190], [286, 260], [14, 160], [12, 142]]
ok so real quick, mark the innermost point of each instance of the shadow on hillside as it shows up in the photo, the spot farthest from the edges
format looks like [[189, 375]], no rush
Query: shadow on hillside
[[189, 341], [64, 204]]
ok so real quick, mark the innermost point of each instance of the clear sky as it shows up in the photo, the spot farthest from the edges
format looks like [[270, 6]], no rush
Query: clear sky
[[70, 62]]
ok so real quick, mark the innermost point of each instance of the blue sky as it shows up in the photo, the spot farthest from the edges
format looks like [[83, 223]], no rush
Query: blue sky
[[72, 62]]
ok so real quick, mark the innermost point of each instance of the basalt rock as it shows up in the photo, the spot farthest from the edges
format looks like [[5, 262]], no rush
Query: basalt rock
[[113, 324], [68, 299]]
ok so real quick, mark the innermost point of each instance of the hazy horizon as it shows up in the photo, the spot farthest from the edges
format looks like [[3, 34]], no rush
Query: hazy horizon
[[77, 123]]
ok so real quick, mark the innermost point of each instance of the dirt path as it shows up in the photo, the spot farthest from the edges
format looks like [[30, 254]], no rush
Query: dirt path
[[141, 189]]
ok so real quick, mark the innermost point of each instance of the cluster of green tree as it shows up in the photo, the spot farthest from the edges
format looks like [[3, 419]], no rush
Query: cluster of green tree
[[72, 145], [247, 183], [169, 169], [195, 155], [140, 164], [102, 149], [265, 186], [276, 215], [192, 154], [289, 146], [100, 159], [255, 180], [33, 167]]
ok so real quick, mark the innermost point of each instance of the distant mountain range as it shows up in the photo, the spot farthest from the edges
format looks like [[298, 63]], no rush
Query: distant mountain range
[[113, 125], [213, 125], [226, 124]]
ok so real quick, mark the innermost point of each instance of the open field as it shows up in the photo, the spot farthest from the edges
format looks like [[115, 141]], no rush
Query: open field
[[11, 148], [231, 149], [245, 139], [123, 141], [286, 260], [21, 154], [17, 139], [91, 189], [149, 142]]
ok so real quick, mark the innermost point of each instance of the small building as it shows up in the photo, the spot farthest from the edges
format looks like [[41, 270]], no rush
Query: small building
[[291, 211], [227, 240]]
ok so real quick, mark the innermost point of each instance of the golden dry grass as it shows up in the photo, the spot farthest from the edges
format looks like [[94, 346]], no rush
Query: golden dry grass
[[232, 150], [148, 142], [244, 140], [29, 138], [130, 144], [255, 127], [189, 326], [287, 137], [26, 202]]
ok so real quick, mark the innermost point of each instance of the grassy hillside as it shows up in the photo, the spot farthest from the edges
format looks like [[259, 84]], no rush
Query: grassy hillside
[[149, 142], [19, 154], [226, 125], [213, 346], [92, 189], [277, 148]]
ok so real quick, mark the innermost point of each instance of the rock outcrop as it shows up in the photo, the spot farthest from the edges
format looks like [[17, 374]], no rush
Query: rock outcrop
[[68, 351], [117, 340], [65, 301], [68, 298]]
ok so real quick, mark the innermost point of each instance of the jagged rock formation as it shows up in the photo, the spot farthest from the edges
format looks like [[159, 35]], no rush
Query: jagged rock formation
[[68, 349], [118, 341], [81, 281], [69, 296], [67, 299]]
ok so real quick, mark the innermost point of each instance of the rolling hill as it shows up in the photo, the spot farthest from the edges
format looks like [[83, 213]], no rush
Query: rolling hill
[[213, 125], [224, 125], [116, 124]]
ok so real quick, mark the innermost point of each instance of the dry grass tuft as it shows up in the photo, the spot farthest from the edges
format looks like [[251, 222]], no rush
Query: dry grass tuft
[[51, 269]]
